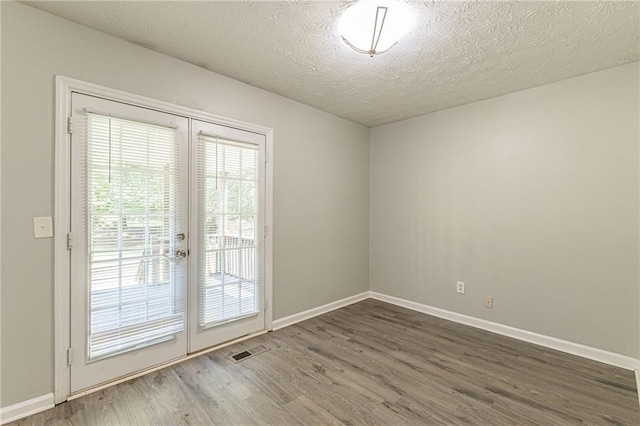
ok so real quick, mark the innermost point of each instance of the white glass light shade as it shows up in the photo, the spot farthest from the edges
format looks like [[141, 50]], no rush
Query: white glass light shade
[[357, 24]]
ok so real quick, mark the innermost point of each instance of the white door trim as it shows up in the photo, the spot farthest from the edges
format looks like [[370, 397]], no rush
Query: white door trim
[[62, 206]]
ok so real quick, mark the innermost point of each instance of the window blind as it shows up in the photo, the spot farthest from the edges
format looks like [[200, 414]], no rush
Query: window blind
[[228, 237], [132, 212]]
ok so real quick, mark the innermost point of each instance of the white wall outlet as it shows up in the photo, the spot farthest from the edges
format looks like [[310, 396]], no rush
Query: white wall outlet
[[42, 227], [460, 287], [488, 302]]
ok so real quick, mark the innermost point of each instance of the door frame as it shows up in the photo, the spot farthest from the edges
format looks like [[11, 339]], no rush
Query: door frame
[[62, 207]]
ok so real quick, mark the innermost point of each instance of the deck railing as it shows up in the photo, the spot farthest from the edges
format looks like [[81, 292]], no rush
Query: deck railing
[[231, 255]]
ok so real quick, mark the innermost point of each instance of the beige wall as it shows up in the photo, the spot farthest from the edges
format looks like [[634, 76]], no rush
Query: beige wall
[[531, 198], [320, 177]]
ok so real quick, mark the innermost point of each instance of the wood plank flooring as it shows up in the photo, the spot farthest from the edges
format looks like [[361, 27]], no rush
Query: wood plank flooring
[[369, 363]]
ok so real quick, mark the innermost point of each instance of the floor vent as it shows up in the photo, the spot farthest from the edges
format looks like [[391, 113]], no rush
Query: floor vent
[[251, 352]]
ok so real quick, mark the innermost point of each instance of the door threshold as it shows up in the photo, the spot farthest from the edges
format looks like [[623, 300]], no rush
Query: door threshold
[[161, 366]]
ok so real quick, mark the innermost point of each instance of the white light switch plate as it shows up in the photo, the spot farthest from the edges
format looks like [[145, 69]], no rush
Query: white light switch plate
[[42, 227]]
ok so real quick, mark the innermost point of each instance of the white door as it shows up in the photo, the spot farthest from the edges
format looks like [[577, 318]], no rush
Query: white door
[[227, 228], [167, 237], [129, 211]]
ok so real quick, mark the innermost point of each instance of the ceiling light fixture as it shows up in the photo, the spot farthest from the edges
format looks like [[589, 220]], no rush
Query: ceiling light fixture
[[387, 20]]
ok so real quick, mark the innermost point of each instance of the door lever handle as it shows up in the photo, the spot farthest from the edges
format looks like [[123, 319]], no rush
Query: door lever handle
[[179, 255]]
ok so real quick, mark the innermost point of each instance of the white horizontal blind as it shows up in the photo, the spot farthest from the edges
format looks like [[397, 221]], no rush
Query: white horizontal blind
[[132, 175], [229, 229]]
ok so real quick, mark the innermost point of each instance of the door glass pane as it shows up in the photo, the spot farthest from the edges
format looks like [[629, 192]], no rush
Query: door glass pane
[[133, 213], [228, 210]]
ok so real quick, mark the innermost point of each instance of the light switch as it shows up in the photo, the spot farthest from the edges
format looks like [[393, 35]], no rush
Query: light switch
[[42, 227]]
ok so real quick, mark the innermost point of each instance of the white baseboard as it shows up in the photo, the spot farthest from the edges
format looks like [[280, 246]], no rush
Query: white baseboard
[[26, 408], [588, 352], [305, 315], [638, 384]]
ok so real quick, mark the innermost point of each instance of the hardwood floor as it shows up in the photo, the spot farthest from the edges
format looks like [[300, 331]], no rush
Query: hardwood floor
[[369, 363]]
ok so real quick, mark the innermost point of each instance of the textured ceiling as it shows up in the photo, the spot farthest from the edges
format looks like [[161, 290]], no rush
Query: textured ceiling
[[458, 53]]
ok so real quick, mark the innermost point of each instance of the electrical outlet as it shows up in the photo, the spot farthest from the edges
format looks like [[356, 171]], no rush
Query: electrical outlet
[[488, 302], [460, 287]]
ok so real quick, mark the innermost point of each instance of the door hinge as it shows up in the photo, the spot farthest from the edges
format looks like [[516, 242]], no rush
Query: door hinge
[[69, 241], [69, 357], [266, 231], [70, 125]]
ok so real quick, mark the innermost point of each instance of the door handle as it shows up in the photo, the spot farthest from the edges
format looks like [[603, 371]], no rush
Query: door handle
[[179, 255]]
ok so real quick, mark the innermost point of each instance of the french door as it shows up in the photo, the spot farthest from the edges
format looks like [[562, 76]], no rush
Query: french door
[[166, 238], [228, 224]]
